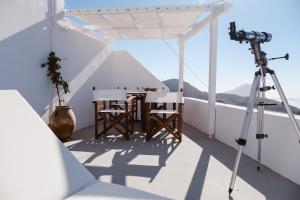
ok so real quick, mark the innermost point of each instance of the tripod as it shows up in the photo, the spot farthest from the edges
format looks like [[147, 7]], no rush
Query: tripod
[[257, 94]]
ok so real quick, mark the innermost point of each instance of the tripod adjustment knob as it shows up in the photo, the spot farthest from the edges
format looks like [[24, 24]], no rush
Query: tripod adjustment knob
[[273, 87], [261, 136], [286, 57], [266, 88]]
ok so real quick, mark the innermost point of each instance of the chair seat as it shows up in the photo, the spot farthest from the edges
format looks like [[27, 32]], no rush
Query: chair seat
[[118, 104], [112, 111], [163, 112]]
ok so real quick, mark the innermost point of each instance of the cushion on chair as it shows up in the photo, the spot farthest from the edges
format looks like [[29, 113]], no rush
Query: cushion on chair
[[163, 112], [164, 97], [35, 165], [112, 111], [109, 95]]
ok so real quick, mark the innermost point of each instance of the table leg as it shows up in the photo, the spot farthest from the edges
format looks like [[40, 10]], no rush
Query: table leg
[[143, 113]]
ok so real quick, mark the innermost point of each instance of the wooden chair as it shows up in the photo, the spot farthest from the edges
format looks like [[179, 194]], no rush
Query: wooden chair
[[111, 114], [161, 117], [131, 105]]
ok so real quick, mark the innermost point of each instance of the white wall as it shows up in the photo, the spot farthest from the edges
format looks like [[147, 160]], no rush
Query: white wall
[[129, 73], [196, 113], [90, 63], [25, 44], [85, 65], [16, 16], [34, 163], [280, 152]]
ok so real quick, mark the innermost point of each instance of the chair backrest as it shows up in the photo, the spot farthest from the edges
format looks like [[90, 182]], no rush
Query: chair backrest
[[34, 163], [164, 97], [109, 95], [150, 89]]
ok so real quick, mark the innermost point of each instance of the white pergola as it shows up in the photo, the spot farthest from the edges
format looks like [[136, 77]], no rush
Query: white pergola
[[168, 22]]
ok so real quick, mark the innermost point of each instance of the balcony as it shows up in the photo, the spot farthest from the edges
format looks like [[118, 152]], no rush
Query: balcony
[[198, 167], [36, 165]]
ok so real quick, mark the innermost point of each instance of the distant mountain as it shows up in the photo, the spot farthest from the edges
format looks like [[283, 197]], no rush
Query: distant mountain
[[242, 90], [295, 102], [191, 91]]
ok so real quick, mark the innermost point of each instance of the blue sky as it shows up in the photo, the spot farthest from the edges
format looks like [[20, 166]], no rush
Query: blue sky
[[235, 63]]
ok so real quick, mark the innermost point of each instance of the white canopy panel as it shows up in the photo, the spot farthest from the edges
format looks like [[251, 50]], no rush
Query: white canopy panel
[[141, 23]]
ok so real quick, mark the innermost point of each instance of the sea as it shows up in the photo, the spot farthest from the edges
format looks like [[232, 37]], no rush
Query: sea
[[293, 102]]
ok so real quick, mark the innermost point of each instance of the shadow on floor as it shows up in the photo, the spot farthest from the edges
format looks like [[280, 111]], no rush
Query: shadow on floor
[[270, 184], [161, 146]]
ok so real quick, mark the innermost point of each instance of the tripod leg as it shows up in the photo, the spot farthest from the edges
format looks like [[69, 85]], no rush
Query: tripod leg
[[260, 120], [259, 155], [285, 103], [246, 125]]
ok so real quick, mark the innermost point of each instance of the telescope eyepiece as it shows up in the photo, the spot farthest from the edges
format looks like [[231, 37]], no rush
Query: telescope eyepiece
[[232, 31], [232, 27]]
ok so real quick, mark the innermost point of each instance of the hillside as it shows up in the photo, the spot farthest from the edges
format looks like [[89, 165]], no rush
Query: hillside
[[191, 91], [242, 90]]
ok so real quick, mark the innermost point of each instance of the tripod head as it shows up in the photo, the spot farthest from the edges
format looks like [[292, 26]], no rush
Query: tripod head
[[255, 38]]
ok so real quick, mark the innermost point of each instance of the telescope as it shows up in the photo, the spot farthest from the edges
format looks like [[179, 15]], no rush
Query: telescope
[[242, 35], [257, 94]]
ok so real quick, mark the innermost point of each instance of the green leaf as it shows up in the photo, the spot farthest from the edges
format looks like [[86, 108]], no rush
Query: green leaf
[[53, 67]]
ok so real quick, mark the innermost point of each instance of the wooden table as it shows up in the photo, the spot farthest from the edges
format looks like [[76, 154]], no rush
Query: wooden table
[[140, 96]]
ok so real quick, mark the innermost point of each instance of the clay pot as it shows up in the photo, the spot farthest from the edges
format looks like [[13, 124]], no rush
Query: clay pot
[[62, 122]]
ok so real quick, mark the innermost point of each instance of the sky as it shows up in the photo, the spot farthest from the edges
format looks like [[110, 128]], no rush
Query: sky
[[235, 65]]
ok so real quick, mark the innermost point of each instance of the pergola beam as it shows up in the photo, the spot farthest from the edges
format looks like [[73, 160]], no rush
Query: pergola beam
[[211, 19], [196, 28], [182, 8], [181, 64], [200, 25], [212, 75]]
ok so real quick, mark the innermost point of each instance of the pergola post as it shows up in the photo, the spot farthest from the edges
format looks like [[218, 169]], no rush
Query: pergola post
[[212, 75], [181, 64]]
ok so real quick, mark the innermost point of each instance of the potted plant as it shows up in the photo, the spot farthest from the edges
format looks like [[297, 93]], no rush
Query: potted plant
[[62, 121]]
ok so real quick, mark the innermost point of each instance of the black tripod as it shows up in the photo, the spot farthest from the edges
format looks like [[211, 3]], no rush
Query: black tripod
[[257, 94]]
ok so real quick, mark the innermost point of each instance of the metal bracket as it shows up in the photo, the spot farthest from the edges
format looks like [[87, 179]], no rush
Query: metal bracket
[[266, 88], [266, 104], [241, 141], [261, 136]]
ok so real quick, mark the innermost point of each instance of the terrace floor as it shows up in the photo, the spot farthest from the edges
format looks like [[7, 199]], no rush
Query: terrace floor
[[196, 168]]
